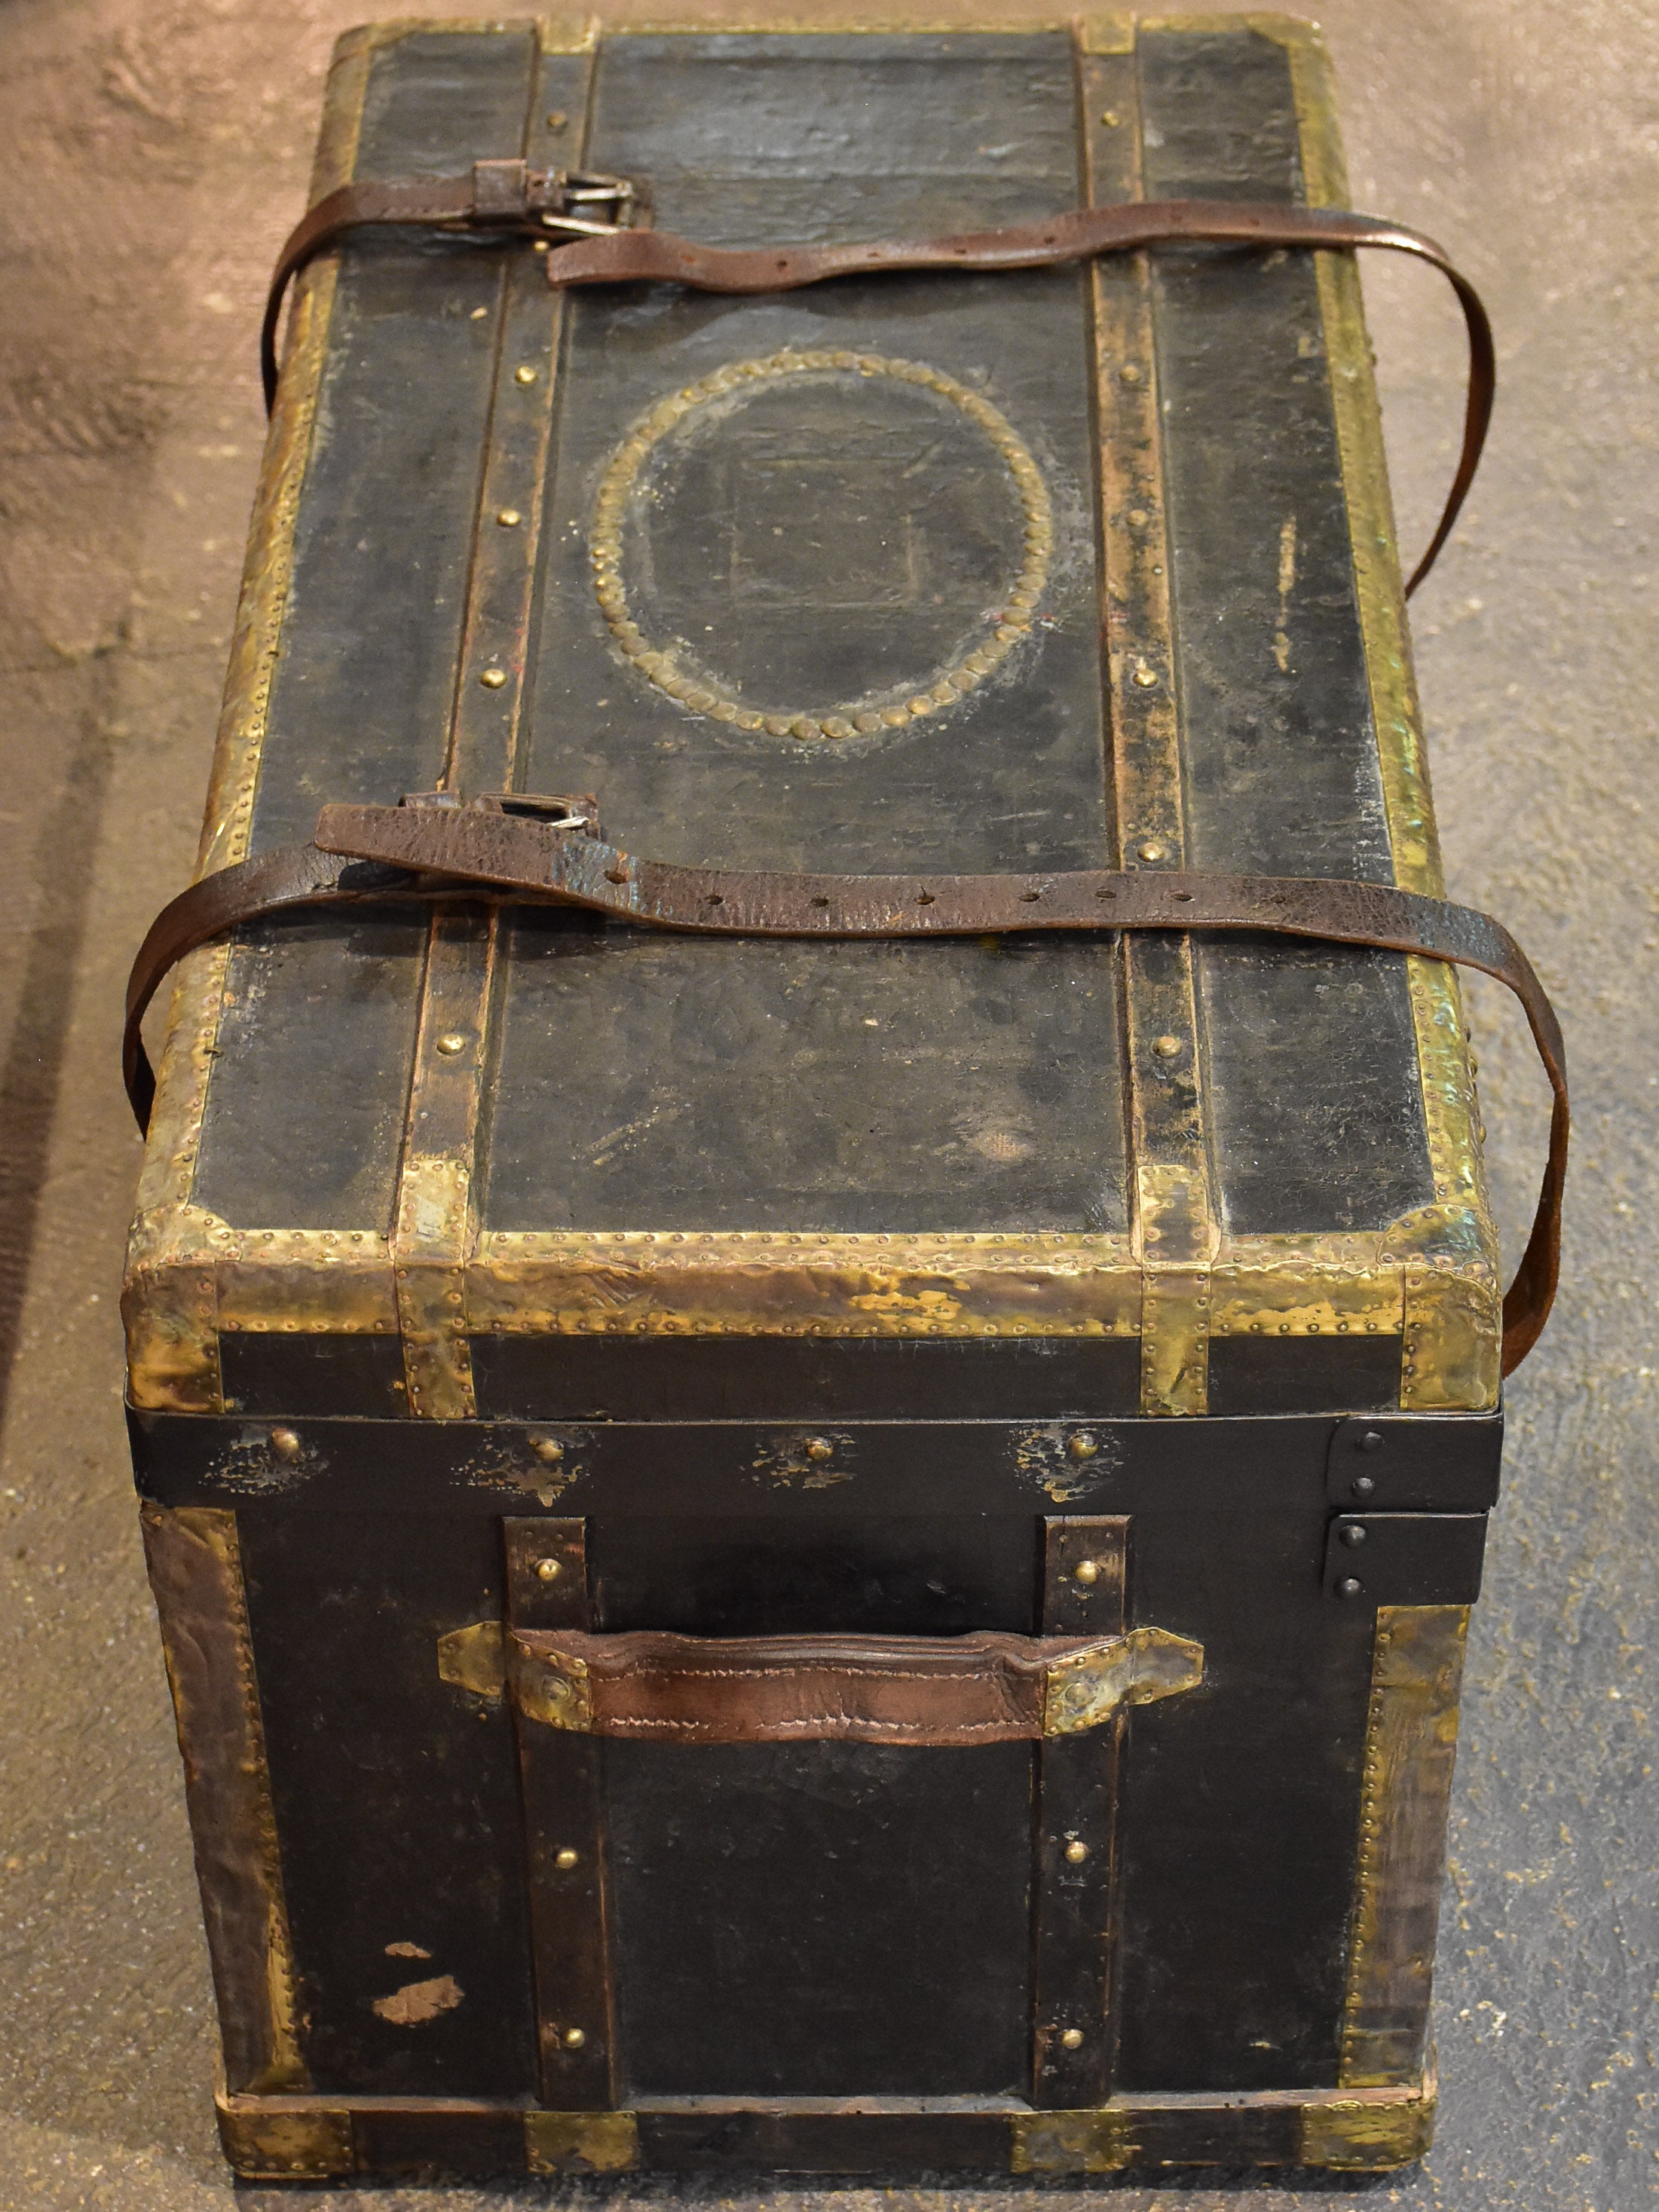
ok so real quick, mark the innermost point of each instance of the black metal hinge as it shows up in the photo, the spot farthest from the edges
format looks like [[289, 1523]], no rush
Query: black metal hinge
[[1404, 1559]]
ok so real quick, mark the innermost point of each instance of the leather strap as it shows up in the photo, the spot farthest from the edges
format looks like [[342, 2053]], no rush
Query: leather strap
[[428, 851], [507, 199], [923, 1692], [531, 202]]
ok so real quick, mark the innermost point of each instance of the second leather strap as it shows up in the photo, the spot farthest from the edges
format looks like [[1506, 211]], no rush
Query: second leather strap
[[927, 1692]]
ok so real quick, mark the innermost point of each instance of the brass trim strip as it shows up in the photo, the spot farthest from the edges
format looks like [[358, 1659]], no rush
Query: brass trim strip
[[1173, 1205], [1453, 1317], [292, 2137], [1411, 1744], [744, 1283], [437, 1208], [580, 2143], [196, 1576], [169, 1299]]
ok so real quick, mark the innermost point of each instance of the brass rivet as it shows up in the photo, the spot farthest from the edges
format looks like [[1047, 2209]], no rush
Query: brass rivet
[[1109, 118], [1072, 2038], [1143, 675], [819, 1448], [573, 2038], [509, 518], [285, 1443], [1166, 1047], [566, 1858], [1087, 1572], [1151, 848], [525, 375], [1076, 1851], [557, 120], [1084, 1445], [1137, 518], [549, 1448], [451, 1042], [548, 1570], [493, 679], [1128, 373]]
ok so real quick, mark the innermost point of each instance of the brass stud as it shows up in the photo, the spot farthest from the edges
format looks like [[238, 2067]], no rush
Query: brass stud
[[566, 1858], [1145, 676], [1072, 2039], [548, 1570], [525, 374], [1087, 1572], [1128, 373], [1151, 848], [573, 2038], [548, 1449], [285, 1443], [493, 679], [1077, 1852], [819, 1448], [557, 120], [1137, 518], [451, 1042], [1109, 118], [509, 518], [1166, 1047], [1084, 1445]]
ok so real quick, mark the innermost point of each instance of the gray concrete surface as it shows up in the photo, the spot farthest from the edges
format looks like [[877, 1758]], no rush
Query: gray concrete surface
[[154, 151]]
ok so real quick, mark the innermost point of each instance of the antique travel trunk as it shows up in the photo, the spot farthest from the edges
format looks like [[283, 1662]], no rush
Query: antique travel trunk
[[1081, 1352]]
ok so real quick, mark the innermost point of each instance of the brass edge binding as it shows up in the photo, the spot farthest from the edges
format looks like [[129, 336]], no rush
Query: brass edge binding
[[1453, 1308], [169, 1296], [436, 1212], [1411, 1744], [196, 1575], [1173, 1205]]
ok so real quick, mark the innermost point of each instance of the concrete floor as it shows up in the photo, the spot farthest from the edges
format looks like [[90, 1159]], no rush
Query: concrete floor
[[153, 152]]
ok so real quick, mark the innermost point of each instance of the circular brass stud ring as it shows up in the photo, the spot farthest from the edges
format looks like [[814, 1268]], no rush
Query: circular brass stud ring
[[701, 694]]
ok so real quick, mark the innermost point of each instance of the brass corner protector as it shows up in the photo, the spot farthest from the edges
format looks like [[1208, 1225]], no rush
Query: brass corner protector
[[580, 2143], [1370, 2134], [1101, 2141], [266, 2142], [474, 1658]]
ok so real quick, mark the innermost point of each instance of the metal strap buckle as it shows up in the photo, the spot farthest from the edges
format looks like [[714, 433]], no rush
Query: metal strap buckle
[[589, 201], [614, 201]]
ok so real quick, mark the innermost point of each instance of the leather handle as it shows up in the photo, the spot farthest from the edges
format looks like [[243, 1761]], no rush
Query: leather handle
[[924, 1691]]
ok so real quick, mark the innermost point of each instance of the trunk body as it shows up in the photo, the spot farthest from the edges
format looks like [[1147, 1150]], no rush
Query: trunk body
[[505, 1285]]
